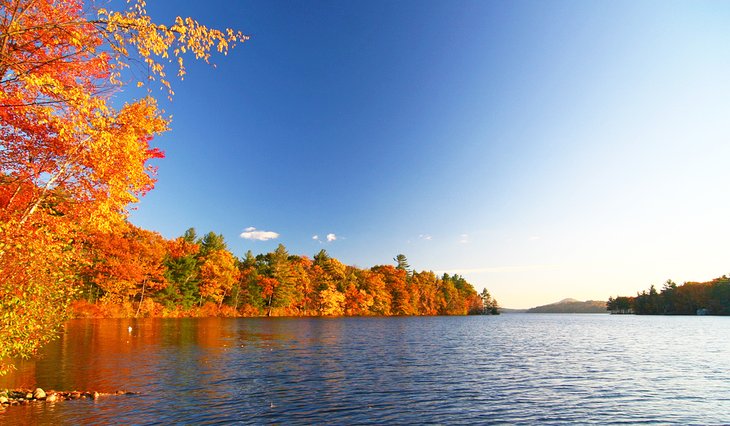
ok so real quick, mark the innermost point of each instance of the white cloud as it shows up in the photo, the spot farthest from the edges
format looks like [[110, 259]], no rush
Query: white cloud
[[464, 238], [425, 237], [331, 237], [534, 238], [251, 233], [315, 237]]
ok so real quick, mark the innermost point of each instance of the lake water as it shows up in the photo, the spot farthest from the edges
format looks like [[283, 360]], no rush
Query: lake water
[[513, 368]]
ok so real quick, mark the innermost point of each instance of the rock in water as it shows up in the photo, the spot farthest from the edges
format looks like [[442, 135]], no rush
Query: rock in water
[[39, 394]]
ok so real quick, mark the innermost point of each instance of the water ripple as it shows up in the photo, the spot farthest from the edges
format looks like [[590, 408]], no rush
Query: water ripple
[[512, 369]]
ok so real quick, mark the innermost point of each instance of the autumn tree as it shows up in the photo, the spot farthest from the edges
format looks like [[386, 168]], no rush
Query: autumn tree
[[329, 284], [218, 273], [71, 161], [268, 288], [428, 299], [303, 291], [37, 282], [356, 301], [216, 268], [453, 289], [127, 265], [373, 285], [395, 282]]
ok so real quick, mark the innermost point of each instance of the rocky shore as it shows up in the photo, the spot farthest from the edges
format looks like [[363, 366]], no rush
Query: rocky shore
[[27, 396]]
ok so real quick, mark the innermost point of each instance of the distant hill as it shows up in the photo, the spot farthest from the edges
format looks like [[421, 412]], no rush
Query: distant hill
[[571, 306]]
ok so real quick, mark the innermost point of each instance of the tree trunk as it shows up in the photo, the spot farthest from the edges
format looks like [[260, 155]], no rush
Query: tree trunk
[[235, 304], [144, 283]]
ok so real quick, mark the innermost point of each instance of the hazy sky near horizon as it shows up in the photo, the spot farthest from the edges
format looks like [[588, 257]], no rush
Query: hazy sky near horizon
[[542, 149]]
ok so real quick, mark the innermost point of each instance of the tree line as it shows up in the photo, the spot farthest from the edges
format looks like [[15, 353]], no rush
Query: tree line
[[691, 298], [134, 272], [73, 159]]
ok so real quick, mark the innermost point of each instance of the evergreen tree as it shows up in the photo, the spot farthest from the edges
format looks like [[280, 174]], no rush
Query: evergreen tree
[[402, 262]]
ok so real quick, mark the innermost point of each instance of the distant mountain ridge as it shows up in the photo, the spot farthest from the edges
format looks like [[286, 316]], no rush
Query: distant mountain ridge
[[568, 300], [571, 306]]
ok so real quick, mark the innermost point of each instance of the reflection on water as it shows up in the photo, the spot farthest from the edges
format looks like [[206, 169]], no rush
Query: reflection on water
[[512, 368]]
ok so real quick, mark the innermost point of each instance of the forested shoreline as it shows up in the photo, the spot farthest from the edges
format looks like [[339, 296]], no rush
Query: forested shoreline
[[690, 298], [132, 272], [74, 159]]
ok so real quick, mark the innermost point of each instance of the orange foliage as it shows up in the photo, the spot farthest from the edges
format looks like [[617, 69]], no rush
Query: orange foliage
[[179, 247], [85, 309], [357, 301], [70, 161], [127, 263], [250, 287], [395, 281], [373, 285]]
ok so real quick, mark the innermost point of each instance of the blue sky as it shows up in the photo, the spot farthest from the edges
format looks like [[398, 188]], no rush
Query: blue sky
[[541, 149]]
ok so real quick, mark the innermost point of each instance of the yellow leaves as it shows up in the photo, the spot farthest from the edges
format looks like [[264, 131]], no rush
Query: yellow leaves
[[34, 285], [218, 273], [331, 302], [74, 161], [156, 42], [181, 69]]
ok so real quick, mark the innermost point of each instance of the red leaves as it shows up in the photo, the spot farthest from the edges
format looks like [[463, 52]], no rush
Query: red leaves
[[126, 260], [155, 153], [268, 285], [179, 247]]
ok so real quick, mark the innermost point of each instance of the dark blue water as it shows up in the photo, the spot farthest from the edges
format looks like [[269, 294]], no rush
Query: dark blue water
[[514, 368]]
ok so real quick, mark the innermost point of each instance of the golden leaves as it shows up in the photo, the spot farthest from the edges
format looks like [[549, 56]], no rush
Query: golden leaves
[[218, 273], [71, 161], [156, 42]]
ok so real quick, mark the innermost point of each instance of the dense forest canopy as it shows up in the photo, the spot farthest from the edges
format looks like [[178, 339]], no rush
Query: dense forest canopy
[[691, 298], [134, 272]]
